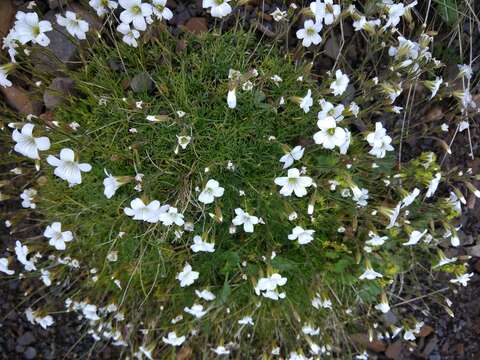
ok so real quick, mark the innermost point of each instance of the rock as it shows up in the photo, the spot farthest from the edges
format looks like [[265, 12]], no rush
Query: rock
[[141, 83], [30, 353], [20, 100], [389, 318], [92, 20], [331, 47], [184, 353], [7, 12], [375, 345], [197, 25], [394, 351], [425, 331], [26, 339], [58, 91], [473, 250]]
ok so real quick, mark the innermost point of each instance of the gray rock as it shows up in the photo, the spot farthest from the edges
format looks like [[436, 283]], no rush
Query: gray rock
[[26, 339], [473, 250], [53, 4], [30, 353], [141, 83], [332, 49], [58, 92]]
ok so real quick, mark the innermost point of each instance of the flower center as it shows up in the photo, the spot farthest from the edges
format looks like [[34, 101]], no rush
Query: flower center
[[219, 2], [331, 131], [310, 31], [136, 10]]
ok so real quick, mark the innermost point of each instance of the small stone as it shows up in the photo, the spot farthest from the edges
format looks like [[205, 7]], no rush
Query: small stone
[[58, 91], [375, 345], [473, 250], [332, 48], [30, 353], [26, 339], [141, 83], [53, 4], [7, 11], [20, 100], [425, 331], [197, 25], [394, 350]]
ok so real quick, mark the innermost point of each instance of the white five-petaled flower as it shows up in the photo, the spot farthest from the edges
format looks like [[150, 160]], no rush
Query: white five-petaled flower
[[307, 101], [462, 279], [325, 11], [295, 154], [172, 216], [27, 144], [28, 196], [135, 12], [173, 339], [310, 33], [294, 183], [130, 36], [4, 267], [196, 310], [370, 274], [328, 109], [218, 8], [102, 6], [187, 276], [29, 28], [245, 219], [205, 295], [410, 198], [74, 25], [201, 246], [415, 237], [330, 135], [246, 320], [21, 251], [90, 312], [160, 10], [111, 184], [149, 213], [339, 85], [210, 192], [376, 240], [3, 76], [66, 168], [57, 237], [379, 141], [433, 185], [383, 307], [221, 350], [302, 236], [267, 286]]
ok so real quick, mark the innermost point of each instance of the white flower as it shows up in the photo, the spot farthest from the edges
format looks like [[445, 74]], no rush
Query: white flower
[[339, 85], [187, 276], [45, 276], [218, 8], [27, 196], [199, 245], [44, 321], [74, 25], [318, 303], [344, 147], [245, 219], [296, 356], [267, 286], [363, 24], [102, 6], [221, 350], [3, 76], [462, 279], [205, 295], [360, 196], [4, 267], [370, 274], [410, 198], [232, 99], [415, 237], [328, 109], [394, 215], [183, 141], [135, 12], [465, 71], [303, 236], [90, 312], [160, 10], [130, 36], [376, 240], [379, 141], [56, 236], [211, 191], [330, 135], [295, 154], [309, 330], [29, 28], [247, 320], [279, 15], [149, 213], [27, 144], [325, 11], [434, 86], [173, 339], [293, 182], [310, 33], [66, 168], [111, 184], [21, 251], [306, 102], [395, 12], [172, 216], [196, 310]]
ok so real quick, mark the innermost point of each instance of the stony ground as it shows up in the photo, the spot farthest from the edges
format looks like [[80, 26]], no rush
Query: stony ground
[[443, 338]]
